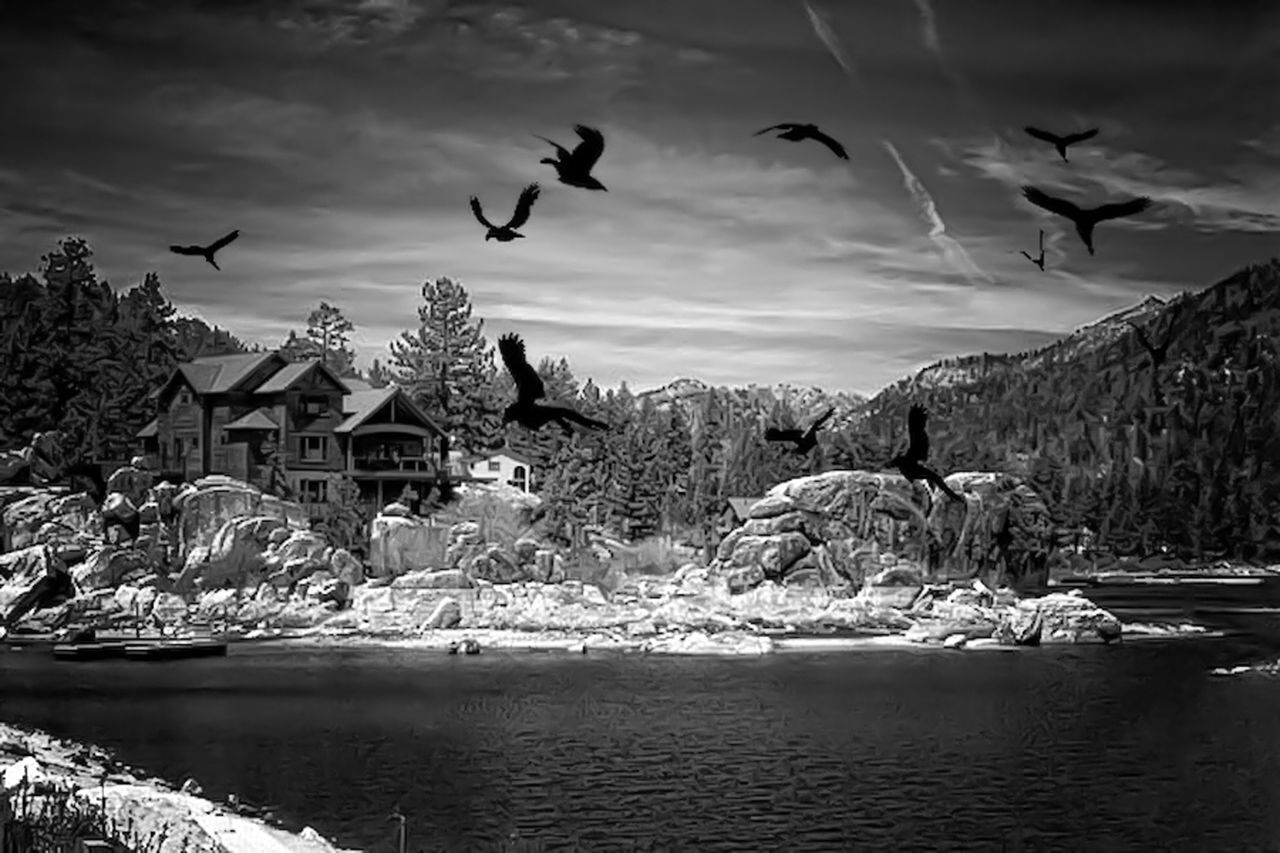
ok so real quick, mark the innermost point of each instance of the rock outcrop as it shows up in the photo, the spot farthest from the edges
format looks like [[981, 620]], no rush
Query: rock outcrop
[[843, 527]]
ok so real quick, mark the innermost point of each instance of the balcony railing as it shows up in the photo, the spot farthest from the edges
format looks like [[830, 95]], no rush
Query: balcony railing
[[383, 463]]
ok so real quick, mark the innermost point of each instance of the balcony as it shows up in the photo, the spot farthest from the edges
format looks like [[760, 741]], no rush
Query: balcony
[[382, 467]]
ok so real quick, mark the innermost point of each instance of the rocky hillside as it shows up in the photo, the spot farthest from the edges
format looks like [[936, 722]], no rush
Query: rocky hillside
[[1184, 457]]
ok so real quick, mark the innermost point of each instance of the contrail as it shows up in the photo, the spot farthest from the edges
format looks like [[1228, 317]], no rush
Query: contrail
[[951, 248], [952, 251], [824, 33], [929, 32]]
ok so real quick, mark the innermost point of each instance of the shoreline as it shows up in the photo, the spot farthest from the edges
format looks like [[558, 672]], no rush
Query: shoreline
[[696, 642], [151, 807]]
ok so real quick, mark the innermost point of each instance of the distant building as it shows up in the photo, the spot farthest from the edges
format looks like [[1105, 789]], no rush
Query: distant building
[[229, 414], [503, 466]]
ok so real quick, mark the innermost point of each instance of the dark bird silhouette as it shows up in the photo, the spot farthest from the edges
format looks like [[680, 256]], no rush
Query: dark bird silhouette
[[507, 233], [804, 440], [526, 411], [1157, 353], [1085, 220], [208, 251], [911, 462], [1040, 260], [1061, 142], [574, 167], [798, 132]]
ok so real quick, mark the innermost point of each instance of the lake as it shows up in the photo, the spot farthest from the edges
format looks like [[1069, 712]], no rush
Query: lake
[[1129, 747]]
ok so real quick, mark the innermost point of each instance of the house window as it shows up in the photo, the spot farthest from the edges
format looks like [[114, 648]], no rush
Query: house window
[[495, 465], [184, 397], [314, 491], [520, 478], [315, 406], [222, 437], [315, 448], [194, 444]]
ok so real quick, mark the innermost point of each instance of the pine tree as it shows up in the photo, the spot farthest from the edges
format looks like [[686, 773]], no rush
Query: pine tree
[[329, 332], [447, 366]]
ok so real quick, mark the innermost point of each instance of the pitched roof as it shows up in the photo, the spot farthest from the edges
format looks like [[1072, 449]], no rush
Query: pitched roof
[[283, 378], [259, 418], [150, 430], [217, 374], [360, 405], [742, 507], [509, 453]]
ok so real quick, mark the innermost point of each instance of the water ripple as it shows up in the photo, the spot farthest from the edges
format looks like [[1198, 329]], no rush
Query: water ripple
[[1134, 748]]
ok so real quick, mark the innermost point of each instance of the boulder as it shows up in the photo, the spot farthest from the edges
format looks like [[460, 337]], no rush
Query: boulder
[[132, 482], [447, 614], [346, 567], [30, 579], [236, 555], [859, 517], [109, 566], [897, 586], [443, 579], [203, 509], [398, 545]]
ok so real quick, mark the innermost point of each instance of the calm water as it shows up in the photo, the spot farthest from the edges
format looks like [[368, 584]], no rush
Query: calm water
[[1087, 747]]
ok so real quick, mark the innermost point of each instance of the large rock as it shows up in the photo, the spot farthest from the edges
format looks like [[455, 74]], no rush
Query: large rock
[[30, 579], [236, 556], [865, 522], [203, 509], [51, 516], [398, 545], [109, 566], [132, 482]]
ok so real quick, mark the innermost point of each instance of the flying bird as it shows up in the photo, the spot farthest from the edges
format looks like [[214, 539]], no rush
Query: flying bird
[[1157, 353], [797, 132], [1040, 260], [1085, 220], [574, 167], [804, 440], [507, 233], [526, 411], [1061, 142], [208, 251], [911, 462]]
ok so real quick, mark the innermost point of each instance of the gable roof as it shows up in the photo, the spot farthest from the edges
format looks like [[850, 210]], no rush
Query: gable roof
[[259, 418], [150, 430], [509, 453], [742, 507], [217, 374], [359, 406], [285, 377]]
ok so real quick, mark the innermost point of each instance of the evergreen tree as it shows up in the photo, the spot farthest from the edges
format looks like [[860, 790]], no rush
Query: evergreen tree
[[447, 366], [329, 333]]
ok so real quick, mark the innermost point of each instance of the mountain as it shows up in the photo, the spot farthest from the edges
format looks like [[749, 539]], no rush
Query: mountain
[[1186, 457], [792, 401]]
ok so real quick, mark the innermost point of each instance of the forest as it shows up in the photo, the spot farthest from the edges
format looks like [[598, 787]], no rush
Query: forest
[[1184, 457]]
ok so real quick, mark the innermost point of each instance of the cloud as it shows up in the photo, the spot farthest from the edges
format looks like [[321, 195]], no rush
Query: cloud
[[829, 40], [1245, 201], [951, 248]]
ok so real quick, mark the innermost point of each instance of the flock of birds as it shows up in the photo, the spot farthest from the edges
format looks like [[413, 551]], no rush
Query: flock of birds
[[574, 168]]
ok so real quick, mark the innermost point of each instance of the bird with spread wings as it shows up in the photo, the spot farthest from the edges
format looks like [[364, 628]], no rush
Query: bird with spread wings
[[910, 463], [526, 410], [1061, 142], [1085, 218], [206, 252], [574, 167], [507, 233], [795, 132], [804, 440]]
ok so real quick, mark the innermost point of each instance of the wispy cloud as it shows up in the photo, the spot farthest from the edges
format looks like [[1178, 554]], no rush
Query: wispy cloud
[[951, 248], [1245, 201], [827, 36]]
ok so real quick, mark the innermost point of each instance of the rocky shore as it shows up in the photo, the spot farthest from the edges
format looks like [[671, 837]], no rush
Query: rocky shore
[[845, 552], [148, 814]]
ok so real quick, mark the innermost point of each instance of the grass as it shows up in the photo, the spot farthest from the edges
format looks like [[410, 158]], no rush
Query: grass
[[52, 819]]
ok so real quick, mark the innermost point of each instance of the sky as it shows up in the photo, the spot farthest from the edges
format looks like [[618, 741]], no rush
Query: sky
[[344, 137]]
